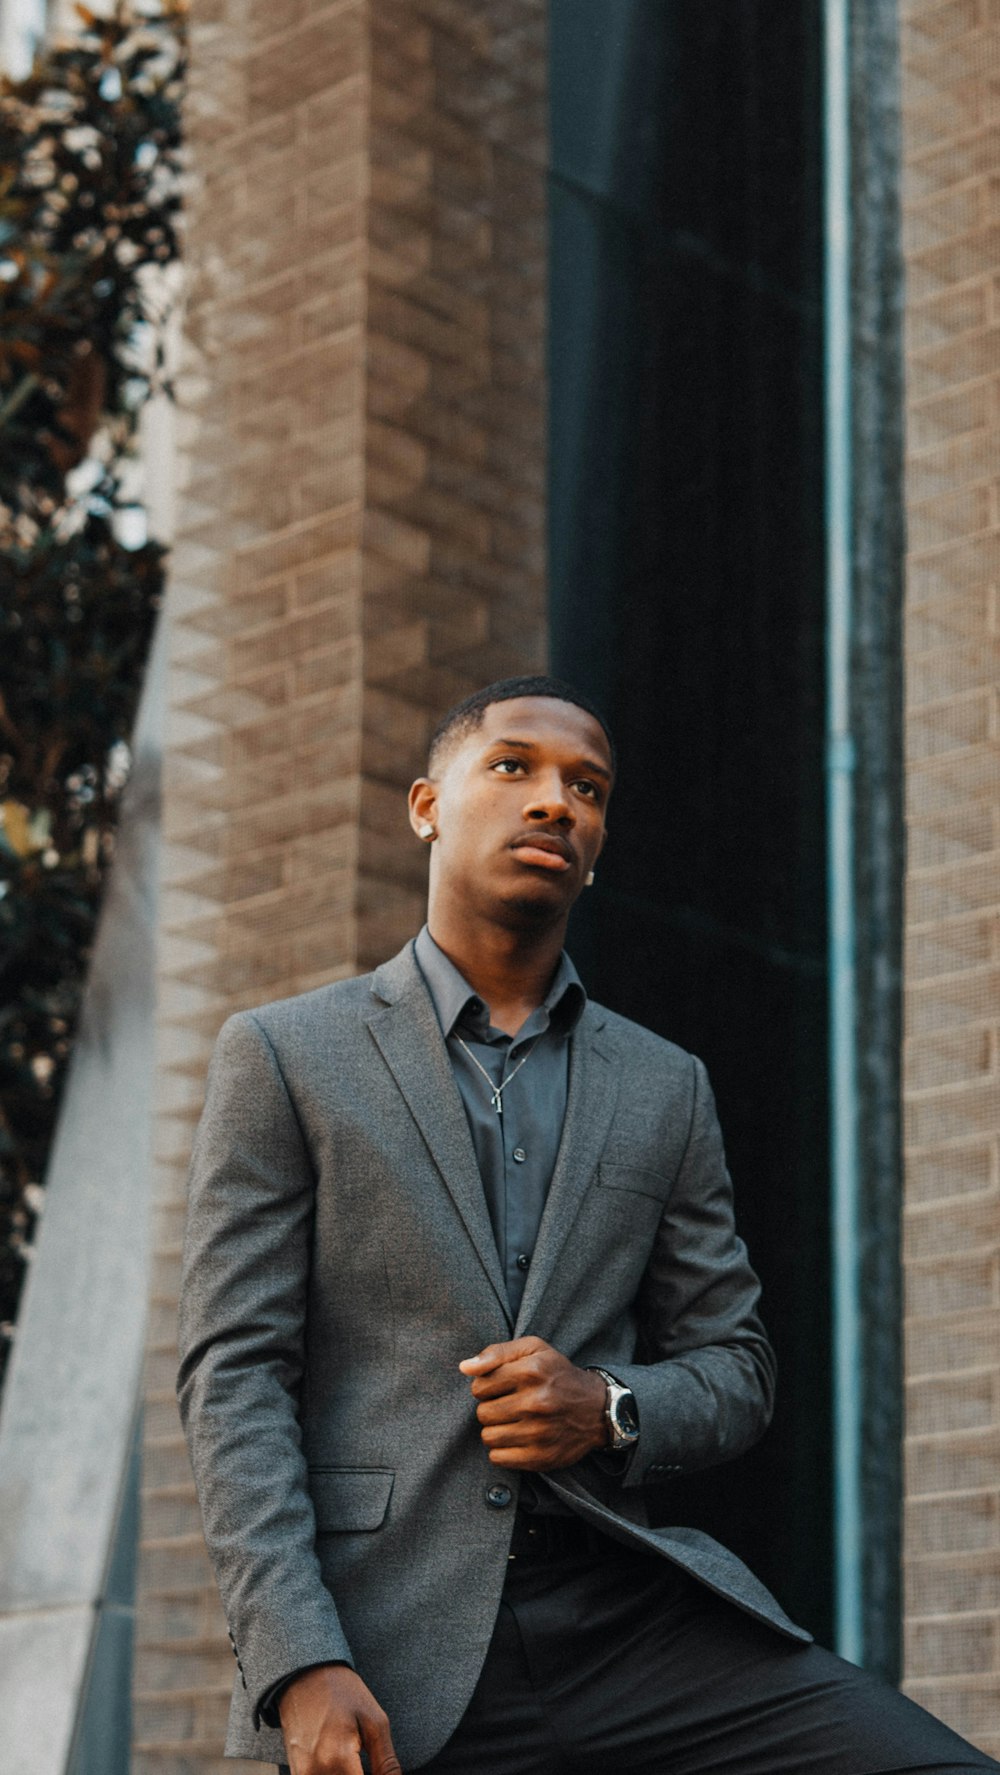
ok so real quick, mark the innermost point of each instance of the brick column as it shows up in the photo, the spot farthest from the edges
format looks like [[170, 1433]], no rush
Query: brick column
[[952, 1062], [454, 529], [360, 542]]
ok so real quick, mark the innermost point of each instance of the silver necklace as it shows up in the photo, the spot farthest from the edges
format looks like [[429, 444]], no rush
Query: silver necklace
[[497, 1090]]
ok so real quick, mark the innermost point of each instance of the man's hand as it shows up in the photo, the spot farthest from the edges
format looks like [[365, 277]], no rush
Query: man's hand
[[538, 1410], [328, 1716]]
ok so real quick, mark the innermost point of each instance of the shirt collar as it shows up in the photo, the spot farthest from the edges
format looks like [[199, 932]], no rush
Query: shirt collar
[[452, 995]]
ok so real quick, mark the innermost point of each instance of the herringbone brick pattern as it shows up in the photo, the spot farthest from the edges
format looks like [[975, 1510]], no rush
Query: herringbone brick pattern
[[361, 541], [951, 132]]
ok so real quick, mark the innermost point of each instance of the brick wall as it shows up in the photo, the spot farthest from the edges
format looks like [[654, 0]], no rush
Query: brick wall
[[360, 542], [951, 54], [454, 527]]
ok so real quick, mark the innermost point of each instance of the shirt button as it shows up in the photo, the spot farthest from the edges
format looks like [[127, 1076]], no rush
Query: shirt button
[[499, 1496], [519, 1155], [523, 1260]]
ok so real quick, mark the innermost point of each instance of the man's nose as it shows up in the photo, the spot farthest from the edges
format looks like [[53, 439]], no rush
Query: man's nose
[[548, 801]]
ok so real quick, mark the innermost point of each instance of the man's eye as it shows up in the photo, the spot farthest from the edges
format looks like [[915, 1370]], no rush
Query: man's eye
[[509, 765], [587, 787]]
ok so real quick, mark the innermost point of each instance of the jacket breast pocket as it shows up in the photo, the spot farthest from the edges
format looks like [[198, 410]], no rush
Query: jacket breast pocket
[[350, 1499], [633, 1180]]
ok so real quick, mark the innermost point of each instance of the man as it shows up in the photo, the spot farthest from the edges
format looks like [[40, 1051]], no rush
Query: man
[[461, 1278]]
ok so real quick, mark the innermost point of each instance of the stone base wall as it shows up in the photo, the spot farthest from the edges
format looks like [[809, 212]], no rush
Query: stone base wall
[[951, 55], [360, 542]]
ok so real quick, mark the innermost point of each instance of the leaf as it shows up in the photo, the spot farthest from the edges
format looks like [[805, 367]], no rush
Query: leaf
[[17, 397], [15, 821]]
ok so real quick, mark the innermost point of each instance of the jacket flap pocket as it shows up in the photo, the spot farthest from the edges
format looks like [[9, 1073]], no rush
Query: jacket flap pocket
[[634, 1179], [350, 1497]]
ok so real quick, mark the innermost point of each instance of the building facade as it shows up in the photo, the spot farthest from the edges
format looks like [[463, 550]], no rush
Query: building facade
[[951, 135], [361, 541], [527, 334]]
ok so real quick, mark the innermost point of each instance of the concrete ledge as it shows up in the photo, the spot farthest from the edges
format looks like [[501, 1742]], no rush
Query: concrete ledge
[[43, 1660]]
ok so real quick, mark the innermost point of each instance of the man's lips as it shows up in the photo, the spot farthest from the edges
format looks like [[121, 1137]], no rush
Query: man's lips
[[543, 851]]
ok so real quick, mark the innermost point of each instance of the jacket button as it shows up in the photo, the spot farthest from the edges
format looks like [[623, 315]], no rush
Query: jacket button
[[499, 1496]]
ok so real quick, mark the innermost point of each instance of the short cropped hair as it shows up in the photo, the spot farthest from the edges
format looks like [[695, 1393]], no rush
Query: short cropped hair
[[467, 715]]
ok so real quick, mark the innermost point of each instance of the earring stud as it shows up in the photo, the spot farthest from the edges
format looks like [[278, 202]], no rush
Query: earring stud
[[427, 832], [589, 881]]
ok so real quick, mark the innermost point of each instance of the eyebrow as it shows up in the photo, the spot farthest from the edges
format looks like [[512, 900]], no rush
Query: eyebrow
[[591, 764]]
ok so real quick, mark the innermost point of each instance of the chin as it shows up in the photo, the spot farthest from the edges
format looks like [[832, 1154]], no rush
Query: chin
[[536, 908]]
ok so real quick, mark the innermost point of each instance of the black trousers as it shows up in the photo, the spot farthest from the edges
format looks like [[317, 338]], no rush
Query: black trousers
[[620, 1665]]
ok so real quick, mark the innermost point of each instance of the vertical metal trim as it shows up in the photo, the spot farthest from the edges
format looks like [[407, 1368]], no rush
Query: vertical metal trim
[[840, 768]]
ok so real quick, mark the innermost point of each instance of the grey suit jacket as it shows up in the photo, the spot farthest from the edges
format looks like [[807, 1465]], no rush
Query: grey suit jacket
[[339, 1263]]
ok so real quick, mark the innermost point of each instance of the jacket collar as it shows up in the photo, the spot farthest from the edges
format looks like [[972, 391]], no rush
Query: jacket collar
[[404, 1023], [590, 1105]]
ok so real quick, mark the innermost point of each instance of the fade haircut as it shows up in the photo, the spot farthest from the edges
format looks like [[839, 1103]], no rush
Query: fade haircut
[[467, 715]]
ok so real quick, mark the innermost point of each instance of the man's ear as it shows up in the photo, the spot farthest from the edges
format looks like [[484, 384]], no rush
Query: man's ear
[[423, 804]]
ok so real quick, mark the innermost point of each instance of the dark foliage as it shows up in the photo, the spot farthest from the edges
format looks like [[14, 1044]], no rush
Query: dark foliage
[[89, 193], [89, 197]]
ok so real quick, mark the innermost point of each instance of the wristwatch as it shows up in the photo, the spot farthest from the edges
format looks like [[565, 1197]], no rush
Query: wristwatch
[[620, 1411]]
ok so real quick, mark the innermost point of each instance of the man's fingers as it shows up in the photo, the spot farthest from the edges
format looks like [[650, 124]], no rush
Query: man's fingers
[[514, 1430], [522, 1460], [377, 1740], [503, 1382], [514, 1405], [497, 1355], [328, 1716], [509, 1445]]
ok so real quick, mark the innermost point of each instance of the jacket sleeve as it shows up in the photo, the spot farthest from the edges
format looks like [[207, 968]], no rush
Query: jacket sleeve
[[242, 1325], [705, 1389]]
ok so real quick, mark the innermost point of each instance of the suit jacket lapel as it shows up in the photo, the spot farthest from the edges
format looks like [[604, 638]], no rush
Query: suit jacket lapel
[[590, 1105], [409, 1036]]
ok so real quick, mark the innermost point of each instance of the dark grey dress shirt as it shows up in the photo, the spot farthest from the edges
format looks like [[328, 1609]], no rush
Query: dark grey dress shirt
[[517, 1149]]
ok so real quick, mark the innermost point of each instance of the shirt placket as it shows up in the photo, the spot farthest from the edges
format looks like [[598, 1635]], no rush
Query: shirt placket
[[517, 1252]]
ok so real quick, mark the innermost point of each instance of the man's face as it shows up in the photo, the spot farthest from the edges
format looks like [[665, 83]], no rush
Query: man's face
[[519, 809]]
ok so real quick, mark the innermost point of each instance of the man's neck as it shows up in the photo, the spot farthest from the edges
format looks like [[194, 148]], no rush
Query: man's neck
[[511, 970]]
